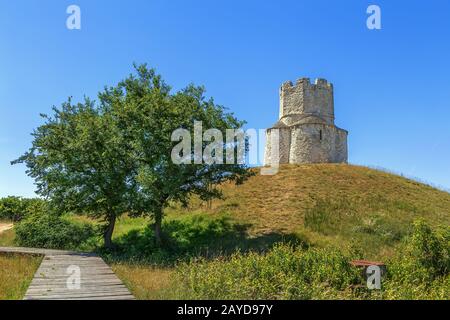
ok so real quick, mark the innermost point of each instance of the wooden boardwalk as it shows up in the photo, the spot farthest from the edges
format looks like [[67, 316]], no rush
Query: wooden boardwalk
[[66, 275]]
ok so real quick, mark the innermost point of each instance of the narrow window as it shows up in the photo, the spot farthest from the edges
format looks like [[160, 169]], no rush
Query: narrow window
[[320, 134]]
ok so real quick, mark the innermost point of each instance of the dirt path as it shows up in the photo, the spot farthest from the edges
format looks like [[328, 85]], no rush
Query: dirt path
[[5, 226]]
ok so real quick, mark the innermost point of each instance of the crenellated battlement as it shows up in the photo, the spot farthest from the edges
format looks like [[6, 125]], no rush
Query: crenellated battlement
[[307, 98], [301, 82]]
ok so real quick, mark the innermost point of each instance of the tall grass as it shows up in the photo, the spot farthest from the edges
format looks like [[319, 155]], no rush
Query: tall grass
[[188, 237], [16, 273], [421, 270], [7, 238], [285, 272]]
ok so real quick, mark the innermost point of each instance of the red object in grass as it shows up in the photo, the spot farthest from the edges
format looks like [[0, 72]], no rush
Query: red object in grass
[[366, 263]]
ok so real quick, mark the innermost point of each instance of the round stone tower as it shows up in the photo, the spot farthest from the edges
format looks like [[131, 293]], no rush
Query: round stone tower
[[305, 132]]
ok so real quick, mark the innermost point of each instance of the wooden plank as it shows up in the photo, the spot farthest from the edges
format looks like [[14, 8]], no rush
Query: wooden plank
[[77, 293], [80, 291], [91, 284], [39, 251], [58, 281], [65, 276], [81, 298], [97, 280], [84, 273], [90, 298], [82, 288]]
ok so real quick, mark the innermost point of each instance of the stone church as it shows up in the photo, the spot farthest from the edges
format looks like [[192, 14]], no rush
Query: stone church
[[305, 132]]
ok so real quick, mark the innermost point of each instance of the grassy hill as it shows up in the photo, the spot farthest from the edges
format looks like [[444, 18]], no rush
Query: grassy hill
[[335, 210], [330, 204]]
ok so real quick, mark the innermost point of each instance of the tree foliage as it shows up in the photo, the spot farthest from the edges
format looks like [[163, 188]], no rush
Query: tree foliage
[[148, 115], [46, 230], [114, 157], [16, 208]]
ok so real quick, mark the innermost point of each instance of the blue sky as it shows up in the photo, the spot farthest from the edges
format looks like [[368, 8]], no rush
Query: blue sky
[[392, 86]]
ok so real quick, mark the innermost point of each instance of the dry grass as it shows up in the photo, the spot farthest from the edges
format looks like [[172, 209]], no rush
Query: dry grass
[[7, 238], [145, 282], [16, 273], [324, 205], [343, 205], [363, 205]]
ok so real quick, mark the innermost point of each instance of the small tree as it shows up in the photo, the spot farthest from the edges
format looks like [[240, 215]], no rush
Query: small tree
[[116, 157], [81, 163], [11, 207], [16, 208], [149, 116]]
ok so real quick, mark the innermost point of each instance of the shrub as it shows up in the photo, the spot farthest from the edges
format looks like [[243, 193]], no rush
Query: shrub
[[9, 207], [284, 272], [17, 208], [191, 236], [422, 270], [53, 232], [430, 249]]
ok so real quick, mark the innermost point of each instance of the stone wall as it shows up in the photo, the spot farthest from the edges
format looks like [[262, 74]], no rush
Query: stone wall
[[307, 98], [307, 143], [306, 129]]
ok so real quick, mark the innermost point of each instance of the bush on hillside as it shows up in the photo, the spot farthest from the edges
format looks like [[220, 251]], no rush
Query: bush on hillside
[[285, 272], [191, 236], [52, 232], [422, 268], [420, 271], [17, 208]]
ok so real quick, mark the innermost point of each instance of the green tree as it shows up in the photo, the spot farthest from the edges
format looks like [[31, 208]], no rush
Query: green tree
[[81, 163], [149, 114], [116, 156], [10, 207], [17, 208]]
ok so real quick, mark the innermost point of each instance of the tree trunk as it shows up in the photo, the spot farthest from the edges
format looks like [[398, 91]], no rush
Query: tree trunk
[[157, 226], [107, 236]]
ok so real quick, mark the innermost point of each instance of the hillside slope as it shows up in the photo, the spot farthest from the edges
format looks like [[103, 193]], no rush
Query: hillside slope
[[332, 204]]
